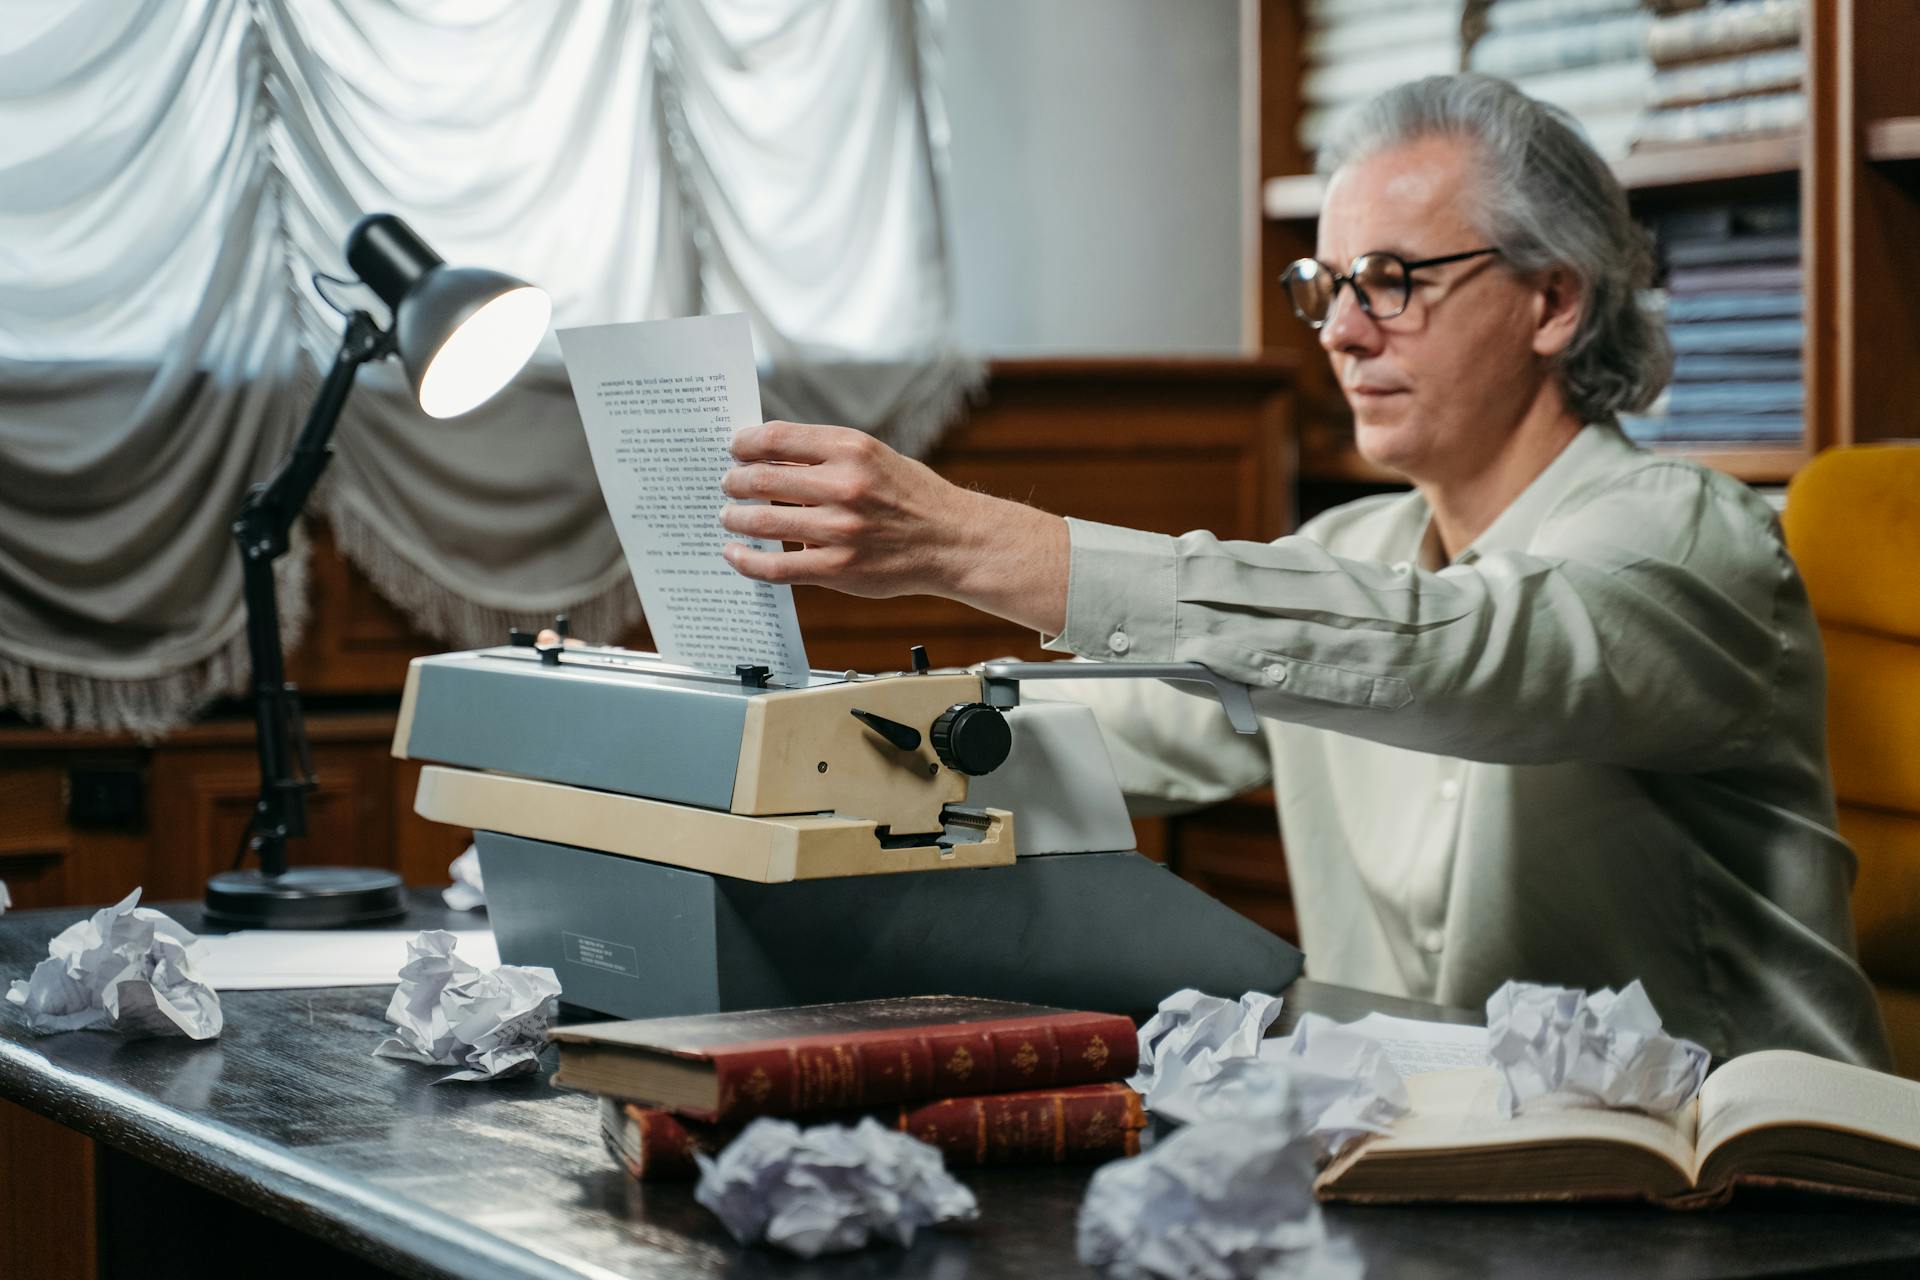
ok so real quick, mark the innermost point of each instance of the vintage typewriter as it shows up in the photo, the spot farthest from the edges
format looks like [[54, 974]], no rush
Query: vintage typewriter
[[674, 841]]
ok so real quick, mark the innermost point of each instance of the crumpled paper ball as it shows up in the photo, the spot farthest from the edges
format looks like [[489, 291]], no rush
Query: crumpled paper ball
[[830, 1188], [448, 1012], [467, 892], [6, 899], [125, 969], [1192, 1036], [1332, 1084], [1605, 1047], [1221, 1200], [1344, 1085]]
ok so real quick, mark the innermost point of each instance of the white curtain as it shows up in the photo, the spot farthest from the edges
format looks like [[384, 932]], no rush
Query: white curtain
[[171, 174]]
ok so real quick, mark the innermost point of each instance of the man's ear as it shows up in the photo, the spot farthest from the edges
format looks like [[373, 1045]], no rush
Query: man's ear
[[1558, 303]]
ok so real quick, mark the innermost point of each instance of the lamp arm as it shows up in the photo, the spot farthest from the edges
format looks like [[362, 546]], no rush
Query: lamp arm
[[261, 529]]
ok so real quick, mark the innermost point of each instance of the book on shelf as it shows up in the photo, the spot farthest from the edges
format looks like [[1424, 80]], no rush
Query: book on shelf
[[1608, 86], [1723, 247], [1716, 121], [1520, 15], [1331, 11], [1741, 26], [1743, 76], [1366, 35], [1685, 308], [1735, 277], [1685, 399], [1747, 223], [1083, 1124], [726, 1067], [1775, 1118], [1619, 37], [1353, 79], [1737, 337], [1708, 367], [1727, 428]]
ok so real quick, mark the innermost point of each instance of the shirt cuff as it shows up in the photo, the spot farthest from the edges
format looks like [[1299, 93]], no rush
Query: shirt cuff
[[1120, 594]]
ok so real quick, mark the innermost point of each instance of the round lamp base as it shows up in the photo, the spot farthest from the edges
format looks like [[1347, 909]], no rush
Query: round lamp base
[[304, 898]]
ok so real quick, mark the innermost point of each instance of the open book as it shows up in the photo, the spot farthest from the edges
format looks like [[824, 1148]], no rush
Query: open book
[[1775, 1118]]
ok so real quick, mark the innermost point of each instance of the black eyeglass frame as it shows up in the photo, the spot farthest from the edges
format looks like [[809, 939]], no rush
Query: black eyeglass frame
[[1407, 269]]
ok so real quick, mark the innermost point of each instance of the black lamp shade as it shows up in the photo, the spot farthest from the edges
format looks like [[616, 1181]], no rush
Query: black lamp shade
[[461, 332]]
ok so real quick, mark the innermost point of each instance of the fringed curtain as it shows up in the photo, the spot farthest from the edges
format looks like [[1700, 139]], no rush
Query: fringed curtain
[[172, 174]]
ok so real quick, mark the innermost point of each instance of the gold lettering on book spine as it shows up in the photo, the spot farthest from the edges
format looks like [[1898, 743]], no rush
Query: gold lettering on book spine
[[1095, 1053], [1025, 1058], [960, 1065]]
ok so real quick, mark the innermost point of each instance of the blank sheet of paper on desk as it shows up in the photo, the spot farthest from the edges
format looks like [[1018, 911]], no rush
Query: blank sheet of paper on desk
[[284, 959], [661, 400]]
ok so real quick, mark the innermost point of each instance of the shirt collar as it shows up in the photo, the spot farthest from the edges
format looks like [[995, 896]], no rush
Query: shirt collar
[[1595, 448]]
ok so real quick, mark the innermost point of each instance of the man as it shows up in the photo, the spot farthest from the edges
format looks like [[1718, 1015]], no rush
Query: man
[[1555, 715]]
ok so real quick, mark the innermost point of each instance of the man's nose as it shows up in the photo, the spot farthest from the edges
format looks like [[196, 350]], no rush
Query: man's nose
[[1349, 327]]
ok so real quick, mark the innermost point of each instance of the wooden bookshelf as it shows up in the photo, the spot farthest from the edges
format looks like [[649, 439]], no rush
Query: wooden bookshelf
[[1894, 141], [1854, 168], [1731, 167]]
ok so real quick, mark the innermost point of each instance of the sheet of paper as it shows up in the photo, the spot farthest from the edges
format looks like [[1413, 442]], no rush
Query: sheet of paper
[[277, 959], [1411, 1046], [661, 400]]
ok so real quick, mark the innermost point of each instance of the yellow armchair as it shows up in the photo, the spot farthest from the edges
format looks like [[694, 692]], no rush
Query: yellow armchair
[[1853, 524]]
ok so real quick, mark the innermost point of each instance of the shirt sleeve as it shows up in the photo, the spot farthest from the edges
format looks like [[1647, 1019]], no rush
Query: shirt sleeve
[[1640, 628]]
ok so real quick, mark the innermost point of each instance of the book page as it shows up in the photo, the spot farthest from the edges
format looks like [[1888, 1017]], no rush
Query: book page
[[1459, 1110], [1785, 1087], [660, 400]]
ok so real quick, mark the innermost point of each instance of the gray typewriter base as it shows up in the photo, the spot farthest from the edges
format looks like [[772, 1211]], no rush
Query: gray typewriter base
[[1108, 931]]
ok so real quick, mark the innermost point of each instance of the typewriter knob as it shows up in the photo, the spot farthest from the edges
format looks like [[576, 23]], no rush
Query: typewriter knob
[[972, 738]]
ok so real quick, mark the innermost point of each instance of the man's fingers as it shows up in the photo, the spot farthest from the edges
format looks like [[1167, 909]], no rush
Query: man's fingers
[[788, 524], [792, 442], [776, 482], [810, 565]]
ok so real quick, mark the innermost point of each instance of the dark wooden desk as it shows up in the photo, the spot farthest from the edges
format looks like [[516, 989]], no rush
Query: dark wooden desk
[[210, 1152]]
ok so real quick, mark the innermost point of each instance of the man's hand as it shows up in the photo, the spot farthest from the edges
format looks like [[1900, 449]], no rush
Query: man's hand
[[874, 523]]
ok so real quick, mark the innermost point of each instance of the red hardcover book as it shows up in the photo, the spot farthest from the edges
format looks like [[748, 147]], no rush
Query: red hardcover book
[[729, 1067], [1084, 1124]]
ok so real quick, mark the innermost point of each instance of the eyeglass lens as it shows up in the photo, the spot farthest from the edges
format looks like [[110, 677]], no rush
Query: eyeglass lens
[[1380, 280]]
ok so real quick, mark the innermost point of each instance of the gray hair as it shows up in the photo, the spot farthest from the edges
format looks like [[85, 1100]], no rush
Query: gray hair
[[1546, 198]]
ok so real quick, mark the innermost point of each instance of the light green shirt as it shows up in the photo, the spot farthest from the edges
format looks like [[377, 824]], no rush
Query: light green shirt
[[1590, 749]]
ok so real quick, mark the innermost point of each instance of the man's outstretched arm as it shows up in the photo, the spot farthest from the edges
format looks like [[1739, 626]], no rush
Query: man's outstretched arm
[[875, 523]]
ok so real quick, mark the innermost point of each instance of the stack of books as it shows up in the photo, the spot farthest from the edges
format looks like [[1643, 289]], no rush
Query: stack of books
[[1734, 307], [1586, 56], [989, 1082], [1728, 70], [1355, 49]]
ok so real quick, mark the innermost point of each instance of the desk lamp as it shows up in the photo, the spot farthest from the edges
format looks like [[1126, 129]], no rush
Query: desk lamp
[[462, 333]]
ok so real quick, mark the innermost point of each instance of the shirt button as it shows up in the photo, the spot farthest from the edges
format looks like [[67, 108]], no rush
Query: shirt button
[[1119, 641], [1275, 672], [1433, 941], [1402, 568], [1449, 789]]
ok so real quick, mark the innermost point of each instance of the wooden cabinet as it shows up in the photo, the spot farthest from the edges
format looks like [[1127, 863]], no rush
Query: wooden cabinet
[[1166, 444]]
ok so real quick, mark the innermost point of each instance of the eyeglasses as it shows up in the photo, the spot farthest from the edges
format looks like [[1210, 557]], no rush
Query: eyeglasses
[[1381, 281]]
